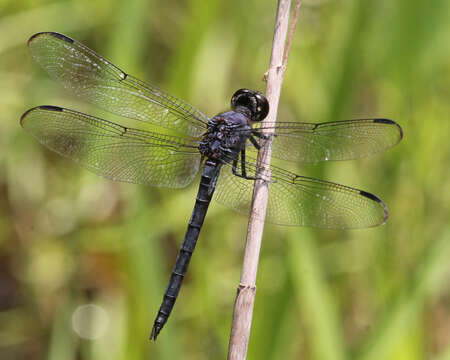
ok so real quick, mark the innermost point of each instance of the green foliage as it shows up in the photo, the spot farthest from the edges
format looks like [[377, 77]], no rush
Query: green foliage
[[68, 238]]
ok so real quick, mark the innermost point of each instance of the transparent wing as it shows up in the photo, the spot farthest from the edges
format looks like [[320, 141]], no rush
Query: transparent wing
[[339, 140], [96, 80], [302, 201], [114, 151]]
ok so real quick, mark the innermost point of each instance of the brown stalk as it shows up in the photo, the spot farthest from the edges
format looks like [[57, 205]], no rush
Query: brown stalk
[[245, 298]]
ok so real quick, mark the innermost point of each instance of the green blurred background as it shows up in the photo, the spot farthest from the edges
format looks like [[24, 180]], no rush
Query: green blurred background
[[74, 245]]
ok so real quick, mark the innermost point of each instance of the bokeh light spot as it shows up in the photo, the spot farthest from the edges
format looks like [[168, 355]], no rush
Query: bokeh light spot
[[90, 321]]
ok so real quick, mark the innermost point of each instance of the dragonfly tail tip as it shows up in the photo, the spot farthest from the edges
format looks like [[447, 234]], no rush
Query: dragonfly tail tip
[[155, 332]]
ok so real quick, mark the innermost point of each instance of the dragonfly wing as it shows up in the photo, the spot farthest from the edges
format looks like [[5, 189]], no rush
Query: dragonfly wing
[[339, 140], [114, 151], [96, 80], [301, 201]]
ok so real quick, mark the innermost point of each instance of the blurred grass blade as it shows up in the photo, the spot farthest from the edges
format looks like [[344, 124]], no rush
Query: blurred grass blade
[[62, 344], [445, 355], [430, 274], [22, 25], [317, 305]]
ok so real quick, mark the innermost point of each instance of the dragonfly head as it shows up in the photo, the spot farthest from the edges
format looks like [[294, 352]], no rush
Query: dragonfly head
[[252, 103]]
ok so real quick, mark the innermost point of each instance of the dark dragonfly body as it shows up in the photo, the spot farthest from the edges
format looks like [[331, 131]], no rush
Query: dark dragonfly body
[[209, 177], [225, 145], [222, 143]]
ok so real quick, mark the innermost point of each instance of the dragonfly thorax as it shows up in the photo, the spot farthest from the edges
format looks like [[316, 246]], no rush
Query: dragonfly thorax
[[226, 136]]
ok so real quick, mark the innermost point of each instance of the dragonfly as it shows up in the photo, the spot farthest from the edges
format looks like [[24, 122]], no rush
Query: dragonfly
[[223, 148]]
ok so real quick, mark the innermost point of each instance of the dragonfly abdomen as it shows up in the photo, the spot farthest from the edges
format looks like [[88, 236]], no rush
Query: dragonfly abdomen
[[205, 192]]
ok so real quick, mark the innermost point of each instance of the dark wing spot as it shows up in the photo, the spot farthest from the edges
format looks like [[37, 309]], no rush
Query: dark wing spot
[[378, 200], [62, 37], [383, 121], [43, 107], [388, 121], [50, 108], [54, 34]]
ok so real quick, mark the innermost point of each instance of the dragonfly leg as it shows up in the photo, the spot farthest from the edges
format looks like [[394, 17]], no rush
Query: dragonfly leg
[[234, 168], [254, 142], [260, 135], [243, 173]]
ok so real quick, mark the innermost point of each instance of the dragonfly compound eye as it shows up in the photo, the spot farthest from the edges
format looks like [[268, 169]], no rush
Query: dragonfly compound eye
[[251, 103]]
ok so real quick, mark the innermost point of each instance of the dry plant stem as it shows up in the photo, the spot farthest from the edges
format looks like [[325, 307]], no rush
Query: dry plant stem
[[243, 307]]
